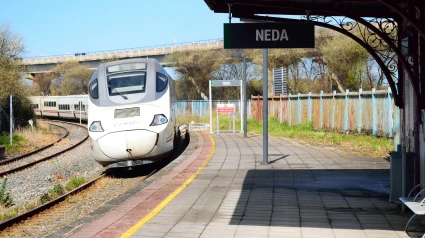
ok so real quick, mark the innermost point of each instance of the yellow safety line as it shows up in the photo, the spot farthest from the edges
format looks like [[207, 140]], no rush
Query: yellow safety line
[[164, 203]]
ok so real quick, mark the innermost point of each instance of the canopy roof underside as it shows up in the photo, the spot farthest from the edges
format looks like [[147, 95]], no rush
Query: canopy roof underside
[[359, 8]]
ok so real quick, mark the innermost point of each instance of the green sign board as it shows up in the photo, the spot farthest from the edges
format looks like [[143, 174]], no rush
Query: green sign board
[[268, 35], [225, 83]]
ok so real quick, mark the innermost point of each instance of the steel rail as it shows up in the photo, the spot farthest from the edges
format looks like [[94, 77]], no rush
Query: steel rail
[[47, 157], [43, 207], [6, 161]]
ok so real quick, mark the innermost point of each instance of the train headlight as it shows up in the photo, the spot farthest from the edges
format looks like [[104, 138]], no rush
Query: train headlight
[[96, 127], [159, 119]]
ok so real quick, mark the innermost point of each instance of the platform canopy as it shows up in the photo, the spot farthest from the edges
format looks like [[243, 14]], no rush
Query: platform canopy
[[361, 8], [387, 29]]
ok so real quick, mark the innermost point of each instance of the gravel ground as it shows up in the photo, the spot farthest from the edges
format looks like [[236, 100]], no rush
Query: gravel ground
[[26, 186], [63, 218], [76, 134]]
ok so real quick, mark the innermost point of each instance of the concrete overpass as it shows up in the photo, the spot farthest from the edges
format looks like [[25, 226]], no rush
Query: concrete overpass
[[93, 59]]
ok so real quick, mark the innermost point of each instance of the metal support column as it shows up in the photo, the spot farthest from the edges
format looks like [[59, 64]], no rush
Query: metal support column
[[210, 106], [265, 108], [245, 101]]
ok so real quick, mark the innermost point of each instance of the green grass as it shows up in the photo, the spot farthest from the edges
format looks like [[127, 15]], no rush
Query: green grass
[[9, 214], [56, 191], [226, 122], [17, 141], [59, 190], [371, 146], [74, 183], [5, 198]]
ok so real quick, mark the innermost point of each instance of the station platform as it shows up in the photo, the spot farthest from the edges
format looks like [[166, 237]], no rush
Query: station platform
[[221, 189]]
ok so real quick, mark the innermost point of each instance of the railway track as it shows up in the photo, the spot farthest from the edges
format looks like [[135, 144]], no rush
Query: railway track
[[31, 221], [6, 161], [43, 219], [10, 165]]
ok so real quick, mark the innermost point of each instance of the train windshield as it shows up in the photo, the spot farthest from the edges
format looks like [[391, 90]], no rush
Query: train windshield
[[126, 83]]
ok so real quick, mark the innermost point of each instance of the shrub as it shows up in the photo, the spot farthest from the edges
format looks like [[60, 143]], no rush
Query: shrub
[[22, 111], [5, 198], [74, 183], [56, 191]]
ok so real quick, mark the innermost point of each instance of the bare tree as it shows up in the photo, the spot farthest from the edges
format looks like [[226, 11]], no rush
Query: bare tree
[[42, 83], [70, 78], [11, 70], [11, 45]]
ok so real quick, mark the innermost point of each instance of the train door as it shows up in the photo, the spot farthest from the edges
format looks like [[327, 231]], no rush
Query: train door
[[80, 109]]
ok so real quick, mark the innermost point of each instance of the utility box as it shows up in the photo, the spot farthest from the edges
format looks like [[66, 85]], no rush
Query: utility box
[[2, 152], [396, 174]]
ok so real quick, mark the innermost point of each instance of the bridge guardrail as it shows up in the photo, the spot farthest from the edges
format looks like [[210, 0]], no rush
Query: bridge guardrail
[[131, 52]]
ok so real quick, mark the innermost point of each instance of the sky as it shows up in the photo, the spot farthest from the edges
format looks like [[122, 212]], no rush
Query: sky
[[56, 27]]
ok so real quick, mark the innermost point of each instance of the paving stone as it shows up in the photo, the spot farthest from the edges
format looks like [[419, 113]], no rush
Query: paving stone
[[308, 191]]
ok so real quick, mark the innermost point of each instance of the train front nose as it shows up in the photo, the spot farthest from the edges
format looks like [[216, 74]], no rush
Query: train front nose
[[127, 133], [125, 145]]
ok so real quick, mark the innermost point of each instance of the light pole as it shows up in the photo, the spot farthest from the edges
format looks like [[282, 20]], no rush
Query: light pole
[[244, 93]]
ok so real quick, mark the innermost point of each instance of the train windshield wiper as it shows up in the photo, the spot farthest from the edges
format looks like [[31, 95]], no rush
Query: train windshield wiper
[[115, 90]]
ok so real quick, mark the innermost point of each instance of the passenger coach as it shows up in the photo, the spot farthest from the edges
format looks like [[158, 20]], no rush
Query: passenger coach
[[131, 115], [71, 107]]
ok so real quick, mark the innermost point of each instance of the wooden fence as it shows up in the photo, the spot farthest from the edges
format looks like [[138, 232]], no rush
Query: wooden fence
[[371, 112]]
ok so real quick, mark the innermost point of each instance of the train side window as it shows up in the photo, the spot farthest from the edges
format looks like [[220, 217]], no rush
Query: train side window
[[93, 90], [77, 107], [161, 82]]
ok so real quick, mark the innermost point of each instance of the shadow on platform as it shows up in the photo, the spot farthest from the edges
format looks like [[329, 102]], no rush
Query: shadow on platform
[[323, 198]]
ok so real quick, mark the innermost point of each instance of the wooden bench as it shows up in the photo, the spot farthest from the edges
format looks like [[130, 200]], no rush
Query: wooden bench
[[416, 205]]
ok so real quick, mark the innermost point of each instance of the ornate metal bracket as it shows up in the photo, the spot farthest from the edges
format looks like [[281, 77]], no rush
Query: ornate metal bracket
[[382, 36], [406, 16], [377, 48]]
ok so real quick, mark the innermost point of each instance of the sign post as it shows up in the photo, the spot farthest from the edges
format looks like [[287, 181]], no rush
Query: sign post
[[80, 103], [265, 36], [265, 108], [223, 83], [11, 119]]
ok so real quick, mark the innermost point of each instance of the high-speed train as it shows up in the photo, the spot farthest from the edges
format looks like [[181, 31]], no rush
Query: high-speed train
[[70, 107], [131, 113]]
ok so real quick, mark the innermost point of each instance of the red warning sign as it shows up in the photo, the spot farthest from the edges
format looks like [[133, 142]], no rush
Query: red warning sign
[[225, 108]]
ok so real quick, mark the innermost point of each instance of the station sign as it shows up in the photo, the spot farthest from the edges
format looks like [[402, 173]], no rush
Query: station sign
[[268, 35], [225, 83], [225, 108]]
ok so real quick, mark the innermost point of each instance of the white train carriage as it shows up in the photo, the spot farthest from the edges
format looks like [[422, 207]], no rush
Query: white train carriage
[[61, 106], [49, 106], [131, 120], [79, 104], [36, 103], [65, 107]]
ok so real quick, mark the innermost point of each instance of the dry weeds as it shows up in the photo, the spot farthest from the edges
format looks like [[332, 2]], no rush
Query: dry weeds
[[37, 137]]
